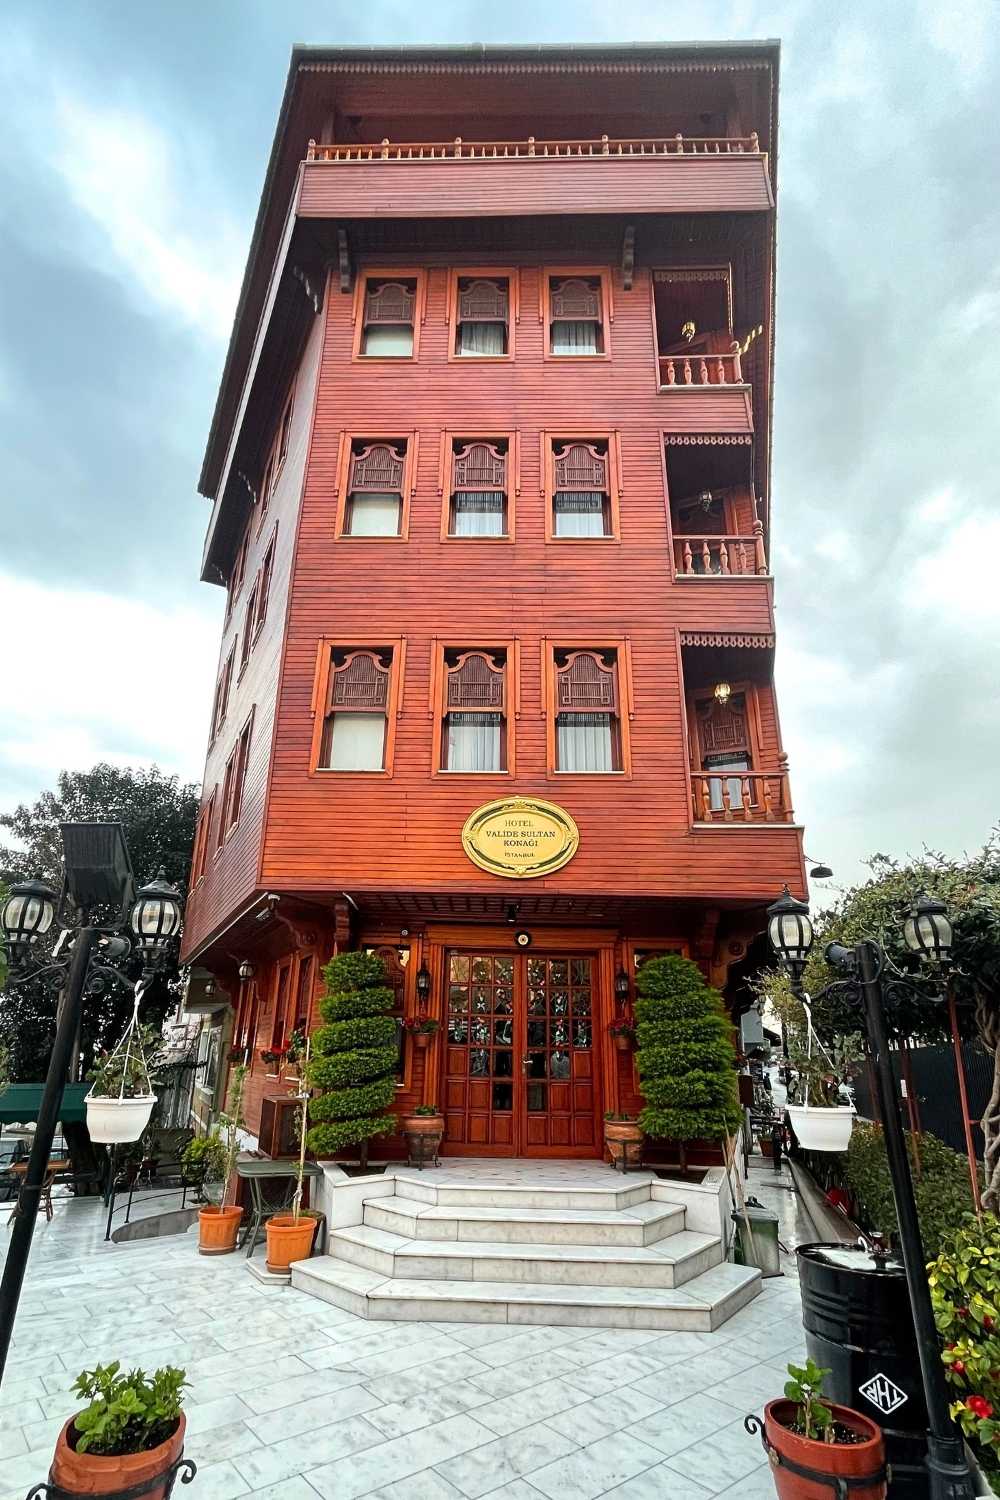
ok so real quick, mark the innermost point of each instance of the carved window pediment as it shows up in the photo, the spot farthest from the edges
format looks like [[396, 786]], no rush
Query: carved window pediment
[[378, 467], [360, 680], [586, 682], [389, 302], [580, 466], [479, 466], [576, 298], [483, 301], [475, 680]]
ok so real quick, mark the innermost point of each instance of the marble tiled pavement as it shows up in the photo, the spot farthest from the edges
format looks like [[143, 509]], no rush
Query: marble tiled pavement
[[293, 1398]]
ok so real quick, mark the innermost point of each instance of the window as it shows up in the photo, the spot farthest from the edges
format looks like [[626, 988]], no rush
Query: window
[[577, 310], [390, 310], [264, 586], [282, 985], [304, 993], [480, 306], [589, 709], [248, 627], [474, 711], [276, 456], [221, 704], [376, 488], [234, 782], [583, 485], [357, 708], [239, 569], [201, 838], [478, 503]]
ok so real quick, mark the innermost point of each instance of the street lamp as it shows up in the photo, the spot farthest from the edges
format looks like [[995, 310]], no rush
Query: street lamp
[[928, 932], [97, 875]]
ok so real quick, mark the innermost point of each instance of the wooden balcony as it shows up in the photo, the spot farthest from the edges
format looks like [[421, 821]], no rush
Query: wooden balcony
[[742, 796], [428, 179], [721, 556], [680, 371]]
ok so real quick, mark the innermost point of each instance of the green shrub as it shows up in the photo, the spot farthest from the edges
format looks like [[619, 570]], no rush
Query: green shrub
[[686, 1058], [965, 1290], [127, 1413], [942, 1189], [353, 1057], [204, 1159]]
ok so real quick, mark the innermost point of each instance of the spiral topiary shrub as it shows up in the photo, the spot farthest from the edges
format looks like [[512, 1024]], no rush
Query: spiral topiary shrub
[[686, 1058], [353, 1057]]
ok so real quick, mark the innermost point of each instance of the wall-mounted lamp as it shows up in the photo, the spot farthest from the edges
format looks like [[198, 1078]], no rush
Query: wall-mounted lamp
[[722, 693], [622, 987], [423, 984], [513, 907], [246, 970]]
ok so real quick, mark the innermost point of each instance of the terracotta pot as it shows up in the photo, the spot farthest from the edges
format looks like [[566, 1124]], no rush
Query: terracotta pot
[[422, 1038], [217, 1229], [766, 1145], [422, 1124], [288, 1240], [624, 1140], [622, 1041], [94, 1474], [838, 1460]]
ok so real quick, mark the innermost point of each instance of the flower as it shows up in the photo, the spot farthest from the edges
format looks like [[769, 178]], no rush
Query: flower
[[958, 1365], [979, 1406]]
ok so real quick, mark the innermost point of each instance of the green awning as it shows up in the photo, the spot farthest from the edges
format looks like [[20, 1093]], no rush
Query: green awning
[[20, 1102]]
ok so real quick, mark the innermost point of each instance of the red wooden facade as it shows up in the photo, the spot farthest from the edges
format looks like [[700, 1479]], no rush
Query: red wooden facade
[[490, 471]]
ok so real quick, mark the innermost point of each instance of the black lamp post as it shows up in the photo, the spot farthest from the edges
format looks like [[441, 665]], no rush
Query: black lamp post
[[97, 876], [928, 932]]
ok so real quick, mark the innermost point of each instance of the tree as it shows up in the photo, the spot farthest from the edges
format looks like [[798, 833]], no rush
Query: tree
[[686, 1057], [354, 1057], [157, 813]]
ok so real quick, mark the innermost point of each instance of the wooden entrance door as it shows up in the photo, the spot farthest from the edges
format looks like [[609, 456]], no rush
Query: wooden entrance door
[[519, 1068]]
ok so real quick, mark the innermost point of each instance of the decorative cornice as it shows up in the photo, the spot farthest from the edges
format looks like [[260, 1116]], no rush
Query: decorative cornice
[[714, 439], [723, 638], [743, 66]]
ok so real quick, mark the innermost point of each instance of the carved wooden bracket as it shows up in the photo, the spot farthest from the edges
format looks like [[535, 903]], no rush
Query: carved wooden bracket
[[704, 940], [628, 257]]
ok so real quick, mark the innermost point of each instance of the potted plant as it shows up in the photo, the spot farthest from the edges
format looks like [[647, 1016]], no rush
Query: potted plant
[[819, 1108], [203, 1160], [120, 1099], [421, 1028], [354, 1057], [219, 1223], [832, 1442], [423, 1129], [290, 1236], [130, 1436], [623, 1138], [623, 1035], [273, 1057]]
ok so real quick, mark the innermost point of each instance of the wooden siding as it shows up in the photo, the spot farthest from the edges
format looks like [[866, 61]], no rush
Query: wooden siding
[[401, 831], [231, 871], [655, 185], [713, 410]]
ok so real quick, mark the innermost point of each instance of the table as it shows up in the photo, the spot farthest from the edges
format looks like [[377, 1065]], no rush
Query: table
[[272, 1190], [53, 1167]]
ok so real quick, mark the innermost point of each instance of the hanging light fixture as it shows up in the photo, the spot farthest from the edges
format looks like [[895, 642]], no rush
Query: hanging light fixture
[[423, 984], [622, 987], [246, 970], [27, 915], [790, 931], [722, 693]]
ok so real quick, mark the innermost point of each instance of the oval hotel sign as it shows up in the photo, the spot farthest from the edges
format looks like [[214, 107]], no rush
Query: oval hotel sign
[[520, 837]]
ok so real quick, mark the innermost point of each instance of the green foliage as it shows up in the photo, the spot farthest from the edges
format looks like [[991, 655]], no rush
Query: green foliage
[[158, 814], [354, 1056], [128, 1072], [426, 1109], [941, 1188], [127, 1413], [965, 1290], [204, 1159], [229, 1125], [821, 1072], [686, 1058], [813, 1419]]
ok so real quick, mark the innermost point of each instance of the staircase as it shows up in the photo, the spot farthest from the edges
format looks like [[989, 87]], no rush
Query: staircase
[[586, 1248]]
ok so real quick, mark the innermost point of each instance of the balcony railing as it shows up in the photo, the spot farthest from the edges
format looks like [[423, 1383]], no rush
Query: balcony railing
[[681, 370], [459, 150], [741, 797], [721, 556]]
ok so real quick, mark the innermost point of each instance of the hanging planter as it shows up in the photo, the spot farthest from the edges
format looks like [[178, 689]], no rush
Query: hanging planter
[[121, 1098], [821, 1119], [821, 1129], [421, 1029]]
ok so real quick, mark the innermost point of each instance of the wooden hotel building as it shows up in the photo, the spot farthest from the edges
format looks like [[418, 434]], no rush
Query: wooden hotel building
[[489, 479]]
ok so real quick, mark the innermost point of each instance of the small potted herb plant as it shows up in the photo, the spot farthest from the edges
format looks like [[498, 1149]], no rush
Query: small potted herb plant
[[820, 1111], [623, 1035], [423, 1130], [835, 1443], [290, 1236], [130, 1436], [219, 1223], [120, 1099], [623, 1138], [421, 1028]]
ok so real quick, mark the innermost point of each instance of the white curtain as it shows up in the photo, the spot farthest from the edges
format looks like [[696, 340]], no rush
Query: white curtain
[[478, 513], [374, 515], [734, 784], [572, 337], [355, 742], [481, 338], [395, 339], [579, 513], [473, 742], [583, 742]]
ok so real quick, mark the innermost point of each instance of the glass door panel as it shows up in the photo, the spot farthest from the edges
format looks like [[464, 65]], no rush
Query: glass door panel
[[480, 1080], [558, 1061]]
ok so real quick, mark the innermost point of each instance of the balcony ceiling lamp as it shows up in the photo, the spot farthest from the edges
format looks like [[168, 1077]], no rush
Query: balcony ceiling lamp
[[722, 692], [246, 970]]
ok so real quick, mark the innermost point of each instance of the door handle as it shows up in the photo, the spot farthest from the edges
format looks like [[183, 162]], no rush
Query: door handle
[[525, 1060]]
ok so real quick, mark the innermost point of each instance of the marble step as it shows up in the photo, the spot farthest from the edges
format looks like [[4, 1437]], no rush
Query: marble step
[[639, 1224], [600, 1188], [671, 1262], [701, 1306]]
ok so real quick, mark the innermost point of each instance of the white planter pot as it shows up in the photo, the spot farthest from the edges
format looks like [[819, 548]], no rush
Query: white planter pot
[[822, 1129], [112, 1122]]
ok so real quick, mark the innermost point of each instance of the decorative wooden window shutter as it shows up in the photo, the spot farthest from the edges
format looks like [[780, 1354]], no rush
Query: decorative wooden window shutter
[[587, 682], [580, 466], [359, 680], [378, 468], [575, 300], [475, 681], [482, 301], [390, 302]]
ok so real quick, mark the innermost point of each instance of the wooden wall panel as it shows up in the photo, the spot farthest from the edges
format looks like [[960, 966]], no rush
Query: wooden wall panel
[[681, 184], [402, 832]]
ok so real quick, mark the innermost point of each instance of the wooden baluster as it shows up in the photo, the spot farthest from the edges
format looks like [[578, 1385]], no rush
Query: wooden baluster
[[720, 371], [768, 799], [688, 557], [760, 557], [687, 371], [671, 372], [706, 556], [746, 792], [724, 556], [531, 145], [702, 372], [741, 556], [604, 146], [787, 812], [754, 142], [706, 799], [727, 801], [680, 143], [311, 150], [735, 355]]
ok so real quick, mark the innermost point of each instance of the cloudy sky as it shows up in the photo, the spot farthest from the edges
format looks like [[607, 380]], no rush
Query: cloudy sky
[[132, 151]]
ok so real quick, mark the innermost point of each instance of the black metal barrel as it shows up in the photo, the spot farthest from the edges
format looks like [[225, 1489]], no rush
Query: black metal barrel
[[856, 1314]]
